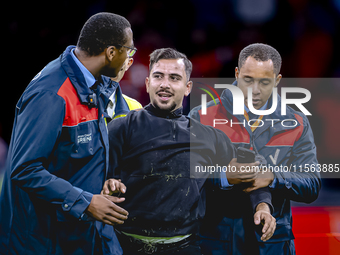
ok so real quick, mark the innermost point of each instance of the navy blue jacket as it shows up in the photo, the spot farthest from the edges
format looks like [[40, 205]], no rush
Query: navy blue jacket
[[280, 146], [57, 160]]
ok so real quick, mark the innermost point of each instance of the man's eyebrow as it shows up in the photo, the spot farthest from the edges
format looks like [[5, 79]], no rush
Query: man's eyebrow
[[157, 72], [248, 77], [176, 74]]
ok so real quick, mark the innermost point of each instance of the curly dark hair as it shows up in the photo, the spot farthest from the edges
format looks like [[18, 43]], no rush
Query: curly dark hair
[[261, 52], [101, 30]]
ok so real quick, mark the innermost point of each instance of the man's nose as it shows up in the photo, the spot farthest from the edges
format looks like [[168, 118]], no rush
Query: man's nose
[[165, 84], [256, 88]]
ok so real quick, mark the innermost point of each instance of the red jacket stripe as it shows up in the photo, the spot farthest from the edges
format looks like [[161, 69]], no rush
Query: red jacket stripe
[[237, 133], [75, 111], [289, 137]]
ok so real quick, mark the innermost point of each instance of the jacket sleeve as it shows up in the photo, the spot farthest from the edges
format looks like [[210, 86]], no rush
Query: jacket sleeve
[[37, 127], [226, 151], [302, 183], [117, 130], [262, 195]]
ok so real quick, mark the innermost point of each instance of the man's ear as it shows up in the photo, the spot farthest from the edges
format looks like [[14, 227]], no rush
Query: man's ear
[[111, 53], [130, 62], [189, 88], [236, 72], [147, 84], [278, 79]]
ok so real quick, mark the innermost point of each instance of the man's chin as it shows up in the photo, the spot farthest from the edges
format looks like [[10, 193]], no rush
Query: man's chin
[[256, 105], [165, 107]]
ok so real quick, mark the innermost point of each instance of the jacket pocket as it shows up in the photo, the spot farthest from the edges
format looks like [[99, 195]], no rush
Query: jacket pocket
[[283, 232]]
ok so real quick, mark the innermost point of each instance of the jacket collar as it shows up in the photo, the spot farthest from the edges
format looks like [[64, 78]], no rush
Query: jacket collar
[[104, 85], [164, 114], [75, 75], [89, 78]]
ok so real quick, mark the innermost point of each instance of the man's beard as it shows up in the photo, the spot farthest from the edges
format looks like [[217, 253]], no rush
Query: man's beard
[[169, 108]]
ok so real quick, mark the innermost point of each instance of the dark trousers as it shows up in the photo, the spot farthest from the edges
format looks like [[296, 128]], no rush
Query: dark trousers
[[133, 246]]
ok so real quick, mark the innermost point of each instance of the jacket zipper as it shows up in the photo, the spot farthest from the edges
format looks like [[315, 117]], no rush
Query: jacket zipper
[[173, 130]]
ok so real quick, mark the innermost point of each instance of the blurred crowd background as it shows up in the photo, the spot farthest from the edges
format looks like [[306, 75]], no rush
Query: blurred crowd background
[[211, 33]]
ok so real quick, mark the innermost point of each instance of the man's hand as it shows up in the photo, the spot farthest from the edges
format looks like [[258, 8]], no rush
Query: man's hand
[[112, 186], [269, 223], [104, 209], [263, 179], [241, 172]]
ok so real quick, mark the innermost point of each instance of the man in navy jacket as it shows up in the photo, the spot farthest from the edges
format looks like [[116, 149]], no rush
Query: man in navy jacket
[[228, 232], [58, 156]]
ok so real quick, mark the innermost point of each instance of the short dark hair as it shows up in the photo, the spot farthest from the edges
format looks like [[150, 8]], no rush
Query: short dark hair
[[261, 52], [101, 30], [169, 53]]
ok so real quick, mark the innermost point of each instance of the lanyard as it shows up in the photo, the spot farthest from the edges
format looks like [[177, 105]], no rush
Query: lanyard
[[255, 124]]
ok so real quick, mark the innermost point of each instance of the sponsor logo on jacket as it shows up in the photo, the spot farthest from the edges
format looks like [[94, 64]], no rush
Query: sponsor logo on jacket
[[84, 138]]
